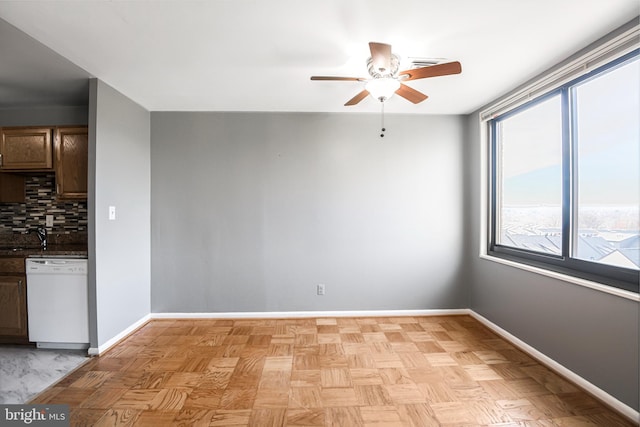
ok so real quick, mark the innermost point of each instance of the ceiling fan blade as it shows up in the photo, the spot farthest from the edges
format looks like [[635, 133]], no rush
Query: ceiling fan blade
[[411, 94], [344, 79], [359, 97], [432, 71], [381, 56]]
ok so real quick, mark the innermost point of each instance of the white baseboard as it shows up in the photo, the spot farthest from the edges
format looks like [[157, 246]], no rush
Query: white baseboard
[[96, 351], [307, 314], [605, 397]]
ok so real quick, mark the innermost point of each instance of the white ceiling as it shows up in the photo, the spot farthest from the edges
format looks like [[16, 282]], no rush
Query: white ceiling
[[258, 55], [31, 74]]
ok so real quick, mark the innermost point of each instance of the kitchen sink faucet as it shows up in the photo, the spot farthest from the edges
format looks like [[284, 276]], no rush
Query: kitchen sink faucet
[[42, 236]]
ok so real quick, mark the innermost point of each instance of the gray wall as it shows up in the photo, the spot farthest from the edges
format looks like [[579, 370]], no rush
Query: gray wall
[[251, 210], [119, 251], [592, 333], [44, 116]]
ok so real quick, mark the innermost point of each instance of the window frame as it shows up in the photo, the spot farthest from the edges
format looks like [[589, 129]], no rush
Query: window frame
[[618, 277]]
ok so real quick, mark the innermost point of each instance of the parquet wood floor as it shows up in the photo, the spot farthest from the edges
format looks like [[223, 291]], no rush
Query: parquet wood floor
[[391, 371]]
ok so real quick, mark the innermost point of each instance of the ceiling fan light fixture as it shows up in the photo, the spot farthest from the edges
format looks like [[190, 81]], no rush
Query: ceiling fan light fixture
[[386, 80], [382, 88]]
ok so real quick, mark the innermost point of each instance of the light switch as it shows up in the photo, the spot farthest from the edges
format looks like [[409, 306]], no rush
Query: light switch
[[112, 213], [48, 221]]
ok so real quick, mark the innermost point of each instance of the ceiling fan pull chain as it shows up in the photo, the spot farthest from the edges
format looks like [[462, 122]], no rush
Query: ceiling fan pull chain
[[382, 120]]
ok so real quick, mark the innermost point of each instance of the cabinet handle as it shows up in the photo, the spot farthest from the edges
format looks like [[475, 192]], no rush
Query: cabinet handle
[[0, 160], [20, 288]]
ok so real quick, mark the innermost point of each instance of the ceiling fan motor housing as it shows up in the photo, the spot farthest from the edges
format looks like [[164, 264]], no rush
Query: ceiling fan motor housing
[[380, 72]]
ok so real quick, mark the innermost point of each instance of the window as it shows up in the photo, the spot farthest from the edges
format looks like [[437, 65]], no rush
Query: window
[[565, 178]]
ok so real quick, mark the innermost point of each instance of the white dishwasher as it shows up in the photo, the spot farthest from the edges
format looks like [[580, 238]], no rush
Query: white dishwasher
[[57, 302]]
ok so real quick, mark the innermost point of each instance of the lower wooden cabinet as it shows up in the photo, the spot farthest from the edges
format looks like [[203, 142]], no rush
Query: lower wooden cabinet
[[13, 301], [13, 308]]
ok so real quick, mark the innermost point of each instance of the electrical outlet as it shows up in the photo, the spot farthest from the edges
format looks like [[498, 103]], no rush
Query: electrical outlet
[[48, 222], [320, 289]]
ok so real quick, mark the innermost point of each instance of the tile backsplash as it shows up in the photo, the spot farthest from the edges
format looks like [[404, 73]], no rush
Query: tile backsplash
[[69, 216]]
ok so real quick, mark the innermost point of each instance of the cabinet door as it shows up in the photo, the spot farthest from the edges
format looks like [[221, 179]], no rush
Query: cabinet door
[[72, 145], [12, 188], [26, 149], [13, 306]]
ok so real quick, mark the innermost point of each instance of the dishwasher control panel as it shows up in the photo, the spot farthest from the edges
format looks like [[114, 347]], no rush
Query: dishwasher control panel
[[56, 266]]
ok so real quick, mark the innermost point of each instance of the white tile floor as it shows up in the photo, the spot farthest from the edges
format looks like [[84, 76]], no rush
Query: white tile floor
[[26, 371]]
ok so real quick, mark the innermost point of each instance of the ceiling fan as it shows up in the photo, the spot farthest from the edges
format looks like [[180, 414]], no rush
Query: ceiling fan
[[385, 79]]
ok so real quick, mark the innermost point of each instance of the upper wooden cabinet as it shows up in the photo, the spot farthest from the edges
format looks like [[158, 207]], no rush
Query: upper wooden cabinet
[[71, 146], [26, 149], [12, 188]]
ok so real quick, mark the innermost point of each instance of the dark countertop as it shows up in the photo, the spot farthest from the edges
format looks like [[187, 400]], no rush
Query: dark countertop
[[69, 250]]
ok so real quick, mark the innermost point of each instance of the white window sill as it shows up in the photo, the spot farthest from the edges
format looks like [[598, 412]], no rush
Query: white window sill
[[566, 278]]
